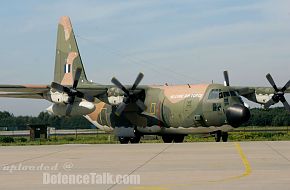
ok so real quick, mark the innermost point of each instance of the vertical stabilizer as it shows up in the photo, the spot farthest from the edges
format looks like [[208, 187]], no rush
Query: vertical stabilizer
[[67, 58]]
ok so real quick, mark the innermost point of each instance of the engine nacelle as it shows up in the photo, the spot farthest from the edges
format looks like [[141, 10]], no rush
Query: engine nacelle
[[57, 97], [115, 96], [263, 98], [78, 108]]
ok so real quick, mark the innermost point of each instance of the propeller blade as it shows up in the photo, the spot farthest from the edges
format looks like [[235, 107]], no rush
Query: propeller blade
[[68, 109], [120, 109], [119, 85], [286, 105], [269, 103], [137, 81], [287, 85], [271, 81], [226, 76], [60, 87], [71, 99], [77, 78], [141, 105]]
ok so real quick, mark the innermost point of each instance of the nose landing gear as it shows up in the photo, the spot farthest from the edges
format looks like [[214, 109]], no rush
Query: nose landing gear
[[219, 135]]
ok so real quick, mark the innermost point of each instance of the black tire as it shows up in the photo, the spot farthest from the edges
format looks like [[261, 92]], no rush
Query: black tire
[[124, 140], [178, 138], [135, 140], [167, 138], [218, 136], [225, 136]]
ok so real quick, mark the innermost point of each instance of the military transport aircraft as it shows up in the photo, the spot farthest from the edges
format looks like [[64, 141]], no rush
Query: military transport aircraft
[[133, 111]]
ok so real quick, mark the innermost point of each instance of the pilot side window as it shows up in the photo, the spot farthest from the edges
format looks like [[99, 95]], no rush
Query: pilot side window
[[214, 94]]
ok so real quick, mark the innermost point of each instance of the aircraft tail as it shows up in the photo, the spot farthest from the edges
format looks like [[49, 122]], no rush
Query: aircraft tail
[[67, 58]]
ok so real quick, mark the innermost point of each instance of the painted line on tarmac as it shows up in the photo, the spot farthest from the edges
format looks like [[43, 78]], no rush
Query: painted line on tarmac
[[247, 172], [248, 169], [246, 163]]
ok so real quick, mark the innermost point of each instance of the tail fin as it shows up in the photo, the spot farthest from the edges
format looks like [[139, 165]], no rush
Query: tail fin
[[67, 58]]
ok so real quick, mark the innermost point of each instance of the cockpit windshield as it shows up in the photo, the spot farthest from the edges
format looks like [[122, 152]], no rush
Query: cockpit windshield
[[218, 94]]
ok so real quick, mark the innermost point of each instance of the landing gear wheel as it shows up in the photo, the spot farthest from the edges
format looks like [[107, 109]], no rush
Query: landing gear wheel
[[124, 140], [218, 136], [225, 136], [135, 140], [178, 138], [167, 138]]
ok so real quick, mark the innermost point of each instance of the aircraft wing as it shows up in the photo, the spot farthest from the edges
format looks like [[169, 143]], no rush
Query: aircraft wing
[[23, 91], [257, 94], [25, 88], [38, 91], [21, 95]]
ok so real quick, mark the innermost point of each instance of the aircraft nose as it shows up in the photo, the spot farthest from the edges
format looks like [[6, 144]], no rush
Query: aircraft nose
[[237, 114]]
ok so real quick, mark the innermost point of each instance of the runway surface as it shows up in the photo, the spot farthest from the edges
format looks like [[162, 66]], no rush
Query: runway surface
[[244, 165]]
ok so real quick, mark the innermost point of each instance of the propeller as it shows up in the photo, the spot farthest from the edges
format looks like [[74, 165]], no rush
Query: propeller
[[72, 92], [278, 95], [226, 77], [130, 95]]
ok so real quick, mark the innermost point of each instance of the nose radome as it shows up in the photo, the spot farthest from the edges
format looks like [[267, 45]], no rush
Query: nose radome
[[237, 114]]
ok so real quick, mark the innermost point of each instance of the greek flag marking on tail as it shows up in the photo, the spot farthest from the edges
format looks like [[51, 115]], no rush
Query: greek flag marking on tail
[[67, 68]]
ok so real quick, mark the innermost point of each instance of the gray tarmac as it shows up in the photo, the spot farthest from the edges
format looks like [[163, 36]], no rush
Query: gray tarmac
[[243, 165]]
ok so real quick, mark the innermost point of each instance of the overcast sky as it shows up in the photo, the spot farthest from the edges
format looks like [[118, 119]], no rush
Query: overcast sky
[[169, 41]]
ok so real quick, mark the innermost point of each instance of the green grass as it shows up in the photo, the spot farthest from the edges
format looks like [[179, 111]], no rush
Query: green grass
[[68, 139], [111, 139], [259, 136]]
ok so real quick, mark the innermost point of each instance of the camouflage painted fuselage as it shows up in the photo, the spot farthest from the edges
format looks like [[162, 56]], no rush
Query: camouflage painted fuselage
[[180, 109]]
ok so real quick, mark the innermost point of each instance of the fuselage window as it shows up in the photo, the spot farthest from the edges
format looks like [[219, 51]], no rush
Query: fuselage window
[[153, 108]]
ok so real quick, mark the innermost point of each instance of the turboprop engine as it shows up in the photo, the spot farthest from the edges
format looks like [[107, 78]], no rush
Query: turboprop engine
[[58, 97], [78, 108]]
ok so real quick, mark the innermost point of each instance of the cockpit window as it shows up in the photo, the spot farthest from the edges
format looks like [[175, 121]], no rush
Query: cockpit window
[[233, 93], [214, 94], [226, 94]]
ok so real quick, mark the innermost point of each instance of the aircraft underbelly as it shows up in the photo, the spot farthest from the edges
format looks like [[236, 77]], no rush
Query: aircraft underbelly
[[196, 130]]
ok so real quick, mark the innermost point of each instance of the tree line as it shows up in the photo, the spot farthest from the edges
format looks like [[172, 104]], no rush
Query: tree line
[[20, 122], [259, 117], [277, 116]]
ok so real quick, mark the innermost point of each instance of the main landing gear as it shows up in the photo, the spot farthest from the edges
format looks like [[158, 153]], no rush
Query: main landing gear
[[132, 140], [219, 135], [172, 138]]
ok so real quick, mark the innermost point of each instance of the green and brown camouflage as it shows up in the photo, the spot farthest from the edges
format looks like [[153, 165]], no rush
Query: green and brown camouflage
[[170, 111], [67, 58]]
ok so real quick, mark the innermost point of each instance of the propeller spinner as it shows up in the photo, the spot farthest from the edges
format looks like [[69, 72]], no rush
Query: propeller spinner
[[130, 95]]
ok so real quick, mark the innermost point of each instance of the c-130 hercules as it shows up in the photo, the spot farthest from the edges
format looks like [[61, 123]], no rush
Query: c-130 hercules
[[133, 111]]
